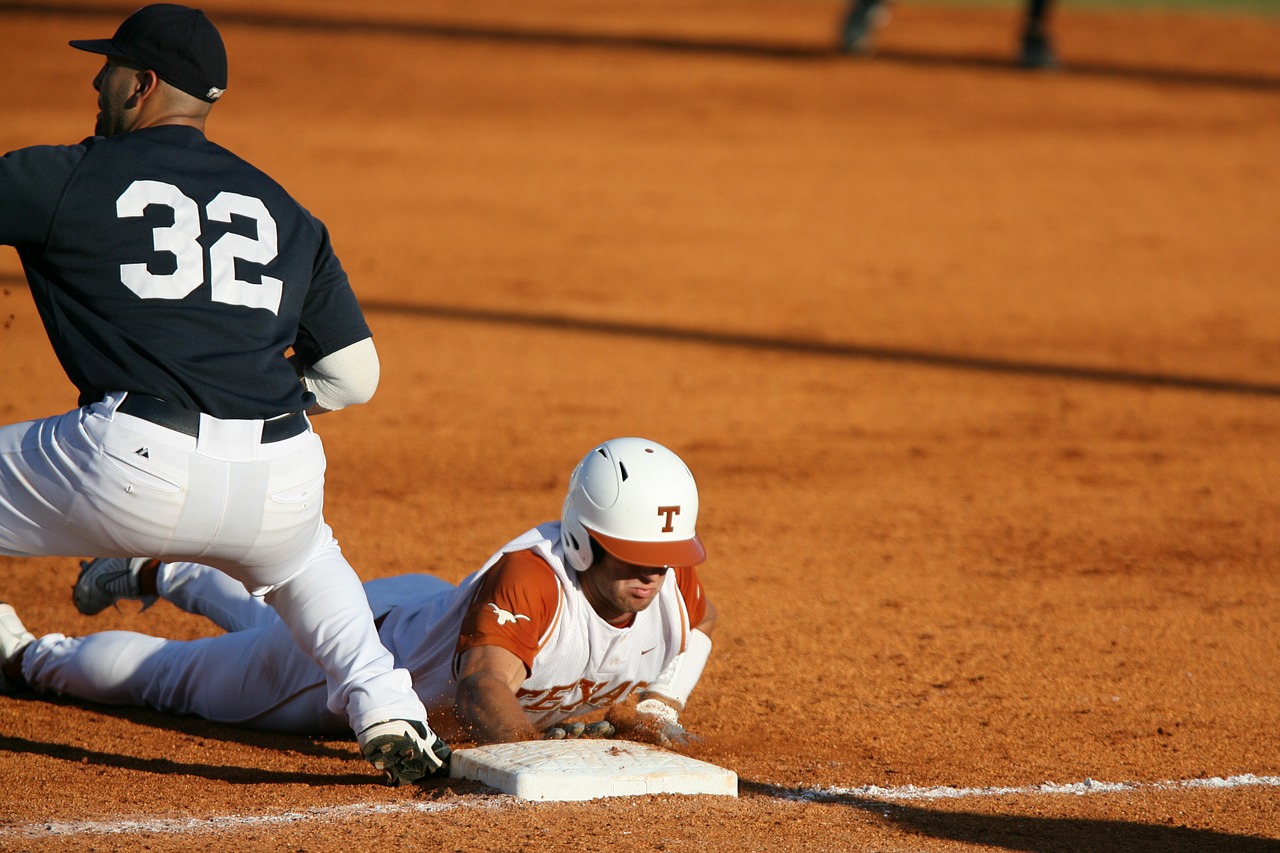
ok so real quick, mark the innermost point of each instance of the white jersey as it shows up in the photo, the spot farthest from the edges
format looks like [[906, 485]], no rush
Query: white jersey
[[526, 600]]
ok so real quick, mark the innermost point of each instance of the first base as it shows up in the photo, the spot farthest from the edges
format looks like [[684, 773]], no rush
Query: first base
[[562, 770]]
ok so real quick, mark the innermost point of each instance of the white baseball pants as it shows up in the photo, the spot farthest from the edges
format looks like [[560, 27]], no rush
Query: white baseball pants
[[255, 676], [94, 482]]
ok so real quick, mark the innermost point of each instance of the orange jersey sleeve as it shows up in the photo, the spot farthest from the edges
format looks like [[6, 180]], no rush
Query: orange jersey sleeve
[[695, 600], [514, 606]]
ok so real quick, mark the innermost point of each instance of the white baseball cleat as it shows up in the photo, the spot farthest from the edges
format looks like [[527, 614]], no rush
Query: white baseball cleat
[[105, 580], [14, 637], [405, 750]]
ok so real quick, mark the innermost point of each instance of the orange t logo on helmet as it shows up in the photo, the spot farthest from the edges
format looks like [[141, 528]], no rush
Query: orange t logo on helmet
[[612, 495]]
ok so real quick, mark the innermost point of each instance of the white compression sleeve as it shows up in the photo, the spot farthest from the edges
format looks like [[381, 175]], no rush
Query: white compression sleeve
[[347, 377], [679, 679]]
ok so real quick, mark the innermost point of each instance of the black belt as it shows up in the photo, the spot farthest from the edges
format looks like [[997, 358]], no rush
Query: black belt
[[187, 422]]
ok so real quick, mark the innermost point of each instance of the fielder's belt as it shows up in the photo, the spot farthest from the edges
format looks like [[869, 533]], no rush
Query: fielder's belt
[[187, 422]]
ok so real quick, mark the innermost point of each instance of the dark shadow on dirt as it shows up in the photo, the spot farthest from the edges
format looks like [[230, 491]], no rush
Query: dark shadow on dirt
[[833, 350], [829, 349], [819, 50], [899, 355], [170, 729], [44, 751], [1075, 68], [1028, 833]]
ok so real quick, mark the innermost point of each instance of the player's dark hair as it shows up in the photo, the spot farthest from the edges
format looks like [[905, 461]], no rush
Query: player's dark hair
[[597, 550]]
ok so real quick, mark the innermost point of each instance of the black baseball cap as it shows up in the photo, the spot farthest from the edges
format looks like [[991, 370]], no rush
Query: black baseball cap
[[180, 44]]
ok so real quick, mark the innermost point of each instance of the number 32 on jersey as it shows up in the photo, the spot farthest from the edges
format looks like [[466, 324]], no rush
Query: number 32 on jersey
[[182, 239]]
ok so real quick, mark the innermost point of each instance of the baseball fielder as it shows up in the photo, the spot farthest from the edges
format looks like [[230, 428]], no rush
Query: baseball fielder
[[862, 18], [569, 618], [172, 278]]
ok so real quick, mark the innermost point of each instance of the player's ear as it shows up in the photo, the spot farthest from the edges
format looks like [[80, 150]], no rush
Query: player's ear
[[147, 82]]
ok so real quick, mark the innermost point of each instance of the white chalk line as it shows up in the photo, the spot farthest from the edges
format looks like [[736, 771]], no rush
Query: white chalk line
[[223, 823], [1079, 789], [220, 823]]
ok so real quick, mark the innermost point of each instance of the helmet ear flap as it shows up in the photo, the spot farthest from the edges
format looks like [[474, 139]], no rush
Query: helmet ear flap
[[576, 542]]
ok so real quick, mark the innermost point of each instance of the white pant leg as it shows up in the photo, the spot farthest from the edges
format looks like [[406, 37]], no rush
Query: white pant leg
[[95, 482], [206, 591], [323, 608], [41, 468], [256, 678]]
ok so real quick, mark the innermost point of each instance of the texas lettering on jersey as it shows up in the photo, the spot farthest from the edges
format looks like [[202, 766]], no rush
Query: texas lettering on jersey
[[572, 697]]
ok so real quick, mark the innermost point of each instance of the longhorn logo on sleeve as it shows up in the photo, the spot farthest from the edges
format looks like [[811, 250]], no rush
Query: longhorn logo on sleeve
[[506, 617]]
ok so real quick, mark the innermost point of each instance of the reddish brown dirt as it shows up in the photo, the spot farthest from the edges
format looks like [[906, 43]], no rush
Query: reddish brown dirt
[[979, 371]]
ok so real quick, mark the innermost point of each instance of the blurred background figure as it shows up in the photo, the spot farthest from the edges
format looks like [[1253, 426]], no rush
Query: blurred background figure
[[865, 17]]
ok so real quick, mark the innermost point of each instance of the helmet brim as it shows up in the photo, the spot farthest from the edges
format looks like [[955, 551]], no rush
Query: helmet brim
[[685, 552]]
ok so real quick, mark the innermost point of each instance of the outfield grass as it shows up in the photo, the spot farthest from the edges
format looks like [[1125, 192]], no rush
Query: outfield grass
[[1260, 7]]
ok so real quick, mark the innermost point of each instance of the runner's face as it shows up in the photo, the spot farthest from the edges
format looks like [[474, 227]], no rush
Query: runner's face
[[619, 590]]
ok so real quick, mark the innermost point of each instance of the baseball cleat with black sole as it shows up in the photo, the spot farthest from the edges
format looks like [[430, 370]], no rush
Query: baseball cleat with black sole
[[406, 751]]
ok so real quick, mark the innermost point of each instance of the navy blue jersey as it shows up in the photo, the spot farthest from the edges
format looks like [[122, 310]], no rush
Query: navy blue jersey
[[163, 264]]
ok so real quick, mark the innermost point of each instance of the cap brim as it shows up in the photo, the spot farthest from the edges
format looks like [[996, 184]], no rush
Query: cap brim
[[688, 552], [106, 47]]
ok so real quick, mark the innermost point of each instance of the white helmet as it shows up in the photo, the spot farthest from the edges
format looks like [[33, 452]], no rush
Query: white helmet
[[638, 500]]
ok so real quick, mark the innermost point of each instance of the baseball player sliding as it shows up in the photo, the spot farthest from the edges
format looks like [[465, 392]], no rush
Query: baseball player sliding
[[569, 618], [172, 278]]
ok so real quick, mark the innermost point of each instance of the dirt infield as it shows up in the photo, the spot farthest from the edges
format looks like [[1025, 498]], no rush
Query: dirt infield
[[978, 369]]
